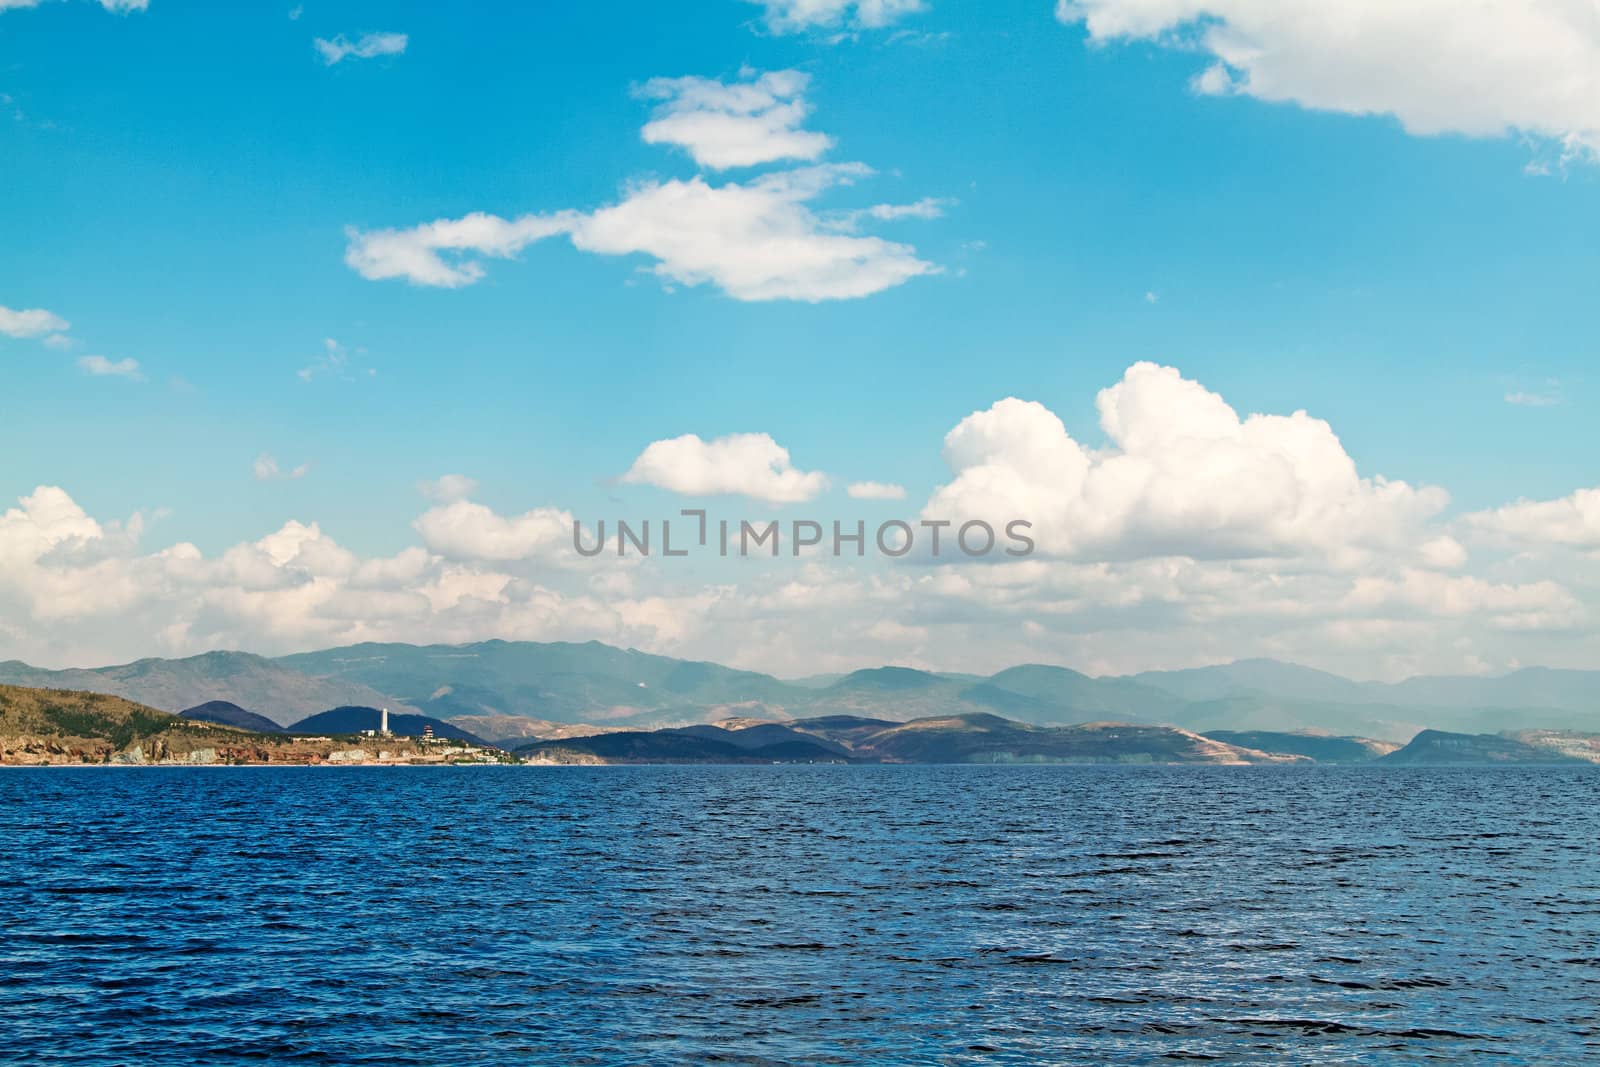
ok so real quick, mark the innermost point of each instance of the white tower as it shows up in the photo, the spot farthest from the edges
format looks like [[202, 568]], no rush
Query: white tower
[[383, 721]]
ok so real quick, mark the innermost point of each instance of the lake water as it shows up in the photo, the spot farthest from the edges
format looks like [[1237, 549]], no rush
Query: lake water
[[800, 915]]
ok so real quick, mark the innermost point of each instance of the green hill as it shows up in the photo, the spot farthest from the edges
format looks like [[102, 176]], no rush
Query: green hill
[[71, 726]]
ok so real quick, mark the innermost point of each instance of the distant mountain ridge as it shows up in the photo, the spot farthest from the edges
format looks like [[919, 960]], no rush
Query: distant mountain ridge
[[977, 738], [280, 693], [51, 726], [514, 692], [1529, 687]]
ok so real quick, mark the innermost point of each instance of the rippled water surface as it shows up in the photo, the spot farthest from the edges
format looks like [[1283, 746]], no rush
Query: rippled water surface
[[804, 915]]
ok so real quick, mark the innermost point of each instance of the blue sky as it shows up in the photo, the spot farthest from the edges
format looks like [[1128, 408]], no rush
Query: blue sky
[[179, 182]]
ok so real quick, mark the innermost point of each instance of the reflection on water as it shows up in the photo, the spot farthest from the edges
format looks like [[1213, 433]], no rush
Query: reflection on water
[[804, 915]]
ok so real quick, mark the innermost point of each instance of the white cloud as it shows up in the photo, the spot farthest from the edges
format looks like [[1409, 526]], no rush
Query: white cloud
[[266, 469], [77, 590], [754, 241], [875, 491], [335, 362], [794, 16], [468, 531], [448, 488], [415, 254], [116, 7], [1443, 553], [759, 239], [746, 464], [721, 125], [1483, 69], [1183, 475], [33, 322], [367, 46], [929, 207], [1524, 399], [100, 366], [1571, 522]]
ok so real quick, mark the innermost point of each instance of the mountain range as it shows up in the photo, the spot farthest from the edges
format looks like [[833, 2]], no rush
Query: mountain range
[[981, 738], [975, 738], [64, 726], [517, 692]]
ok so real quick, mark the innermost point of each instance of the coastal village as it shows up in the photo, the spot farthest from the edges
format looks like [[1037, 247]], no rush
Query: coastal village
[[43, 727]]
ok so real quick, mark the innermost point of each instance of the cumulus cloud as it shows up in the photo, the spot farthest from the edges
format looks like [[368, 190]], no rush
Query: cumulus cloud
[[466, 530], [33, 322], [74, 590], [1483, 69], [1571, 522], [754, 241], [79, 590], [795, 16], [875, 491], [266, 469], [101, 367], [366, 46], [1183, 475], [448, 488], [721, 125], [744, 464]]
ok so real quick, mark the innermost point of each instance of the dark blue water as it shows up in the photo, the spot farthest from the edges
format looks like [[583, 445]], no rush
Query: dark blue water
[[799, 915]]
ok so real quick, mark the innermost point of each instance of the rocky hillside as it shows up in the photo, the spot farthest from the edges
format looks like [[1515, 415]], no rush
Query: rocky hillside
[[57, 726], [1530, 746], [973, 738], [1320, 747], [509, 731]]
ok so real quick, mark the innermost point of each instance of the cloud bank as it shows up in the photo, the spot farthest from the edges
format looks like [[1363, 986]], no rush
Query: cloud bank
[[1191, 534]]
